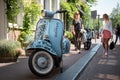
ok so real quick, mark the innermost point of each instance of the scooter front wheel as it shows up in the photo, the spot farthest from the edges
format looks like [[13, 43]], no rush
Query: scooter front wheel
[[41, 63]]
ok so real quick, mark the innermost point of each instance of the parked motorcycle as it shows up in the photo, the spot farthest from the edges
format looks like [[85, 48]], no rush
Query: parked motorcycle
[[48, 46], [87, 43]]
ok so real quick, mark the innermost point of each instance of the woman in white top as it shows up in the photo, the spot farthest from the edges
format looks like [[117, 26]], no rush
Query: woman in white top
[[106, 32]]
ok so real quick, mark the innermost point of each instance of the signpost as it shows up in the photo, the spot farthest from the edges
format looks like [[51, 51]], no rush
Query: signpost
[[93, 16]]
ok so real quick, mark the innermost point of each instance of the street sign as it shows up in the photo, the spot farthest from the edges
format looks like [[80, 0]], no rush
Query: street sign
[[94, 14]]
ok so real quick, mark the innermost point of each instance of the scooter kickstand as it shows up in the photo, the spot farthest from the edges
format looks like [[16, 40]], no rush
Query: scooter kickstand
[[61, 66]]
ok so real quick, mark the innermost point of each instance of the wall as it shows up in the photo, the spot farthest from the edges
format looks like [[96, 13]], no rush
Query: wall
[[51, 5], [3, 22]]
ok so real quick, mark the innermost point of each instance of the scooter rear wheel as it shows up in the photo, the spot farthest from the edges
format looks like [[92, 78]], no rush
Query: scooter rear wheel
[[87, 45], [41, 63]]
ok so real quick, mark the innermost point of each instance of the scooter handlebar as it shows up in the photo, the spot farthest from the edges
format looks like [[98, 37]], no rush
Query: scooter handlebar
[[50, 14], [61, 11]]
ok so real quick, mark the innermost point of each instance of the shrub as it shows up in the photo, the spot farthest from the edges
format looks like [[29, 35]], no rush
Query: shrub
[[25, 39], [69, 35], [9, 48], [22, 37]]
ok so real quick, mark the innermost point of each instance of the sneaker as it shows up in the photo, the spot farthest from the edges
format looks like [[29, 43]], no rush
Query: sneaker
[[78, 51], [106, 53]]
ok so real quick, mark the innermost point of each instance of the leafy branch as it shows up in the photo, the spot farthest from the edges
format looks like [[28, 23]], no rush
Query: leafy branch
[[12, 9], [31, 14]]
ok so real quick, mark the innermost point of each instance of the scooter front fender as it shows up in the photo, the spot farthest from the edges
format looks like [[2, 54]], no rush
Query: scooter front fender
[[41, 45]]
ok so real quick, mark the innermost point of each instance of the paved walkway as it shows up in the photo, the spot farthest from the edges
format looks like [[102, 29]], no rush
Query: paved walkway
[[77, 68], [99, 68], [103, 67], [20, 70]]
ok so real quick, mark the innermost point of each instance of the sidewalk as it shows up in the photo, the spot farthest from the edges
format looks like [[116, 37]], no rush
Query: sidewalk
[[20, 71], [103, 68]]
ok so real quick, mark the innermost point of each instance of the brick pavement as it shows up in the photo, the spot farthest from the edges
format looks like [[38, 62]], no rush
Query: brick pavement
[[20, 71], [103, 67]]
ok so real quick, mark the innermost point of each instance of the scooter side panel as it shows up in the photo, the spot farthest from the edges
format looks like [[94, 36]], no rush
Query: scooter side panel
[[56, 35]]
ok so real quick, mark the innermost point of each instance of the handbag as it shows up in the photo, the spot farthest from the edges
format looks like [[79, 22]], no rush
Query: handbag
[[112, 45]]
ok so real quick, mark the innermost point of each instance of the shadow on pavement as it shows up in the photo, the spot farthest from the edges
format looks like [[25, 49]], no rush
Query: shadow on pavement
[[103, 67]]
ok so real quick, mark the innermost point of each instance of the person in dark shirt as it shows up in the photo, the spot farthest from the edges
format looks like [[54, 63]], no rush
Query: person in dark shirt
[[76, 25], [117, 32]]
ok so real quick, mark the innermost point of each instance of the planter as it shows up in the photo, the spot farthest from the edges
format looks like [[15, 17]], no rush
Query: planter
[[9, 59], [9, 51]]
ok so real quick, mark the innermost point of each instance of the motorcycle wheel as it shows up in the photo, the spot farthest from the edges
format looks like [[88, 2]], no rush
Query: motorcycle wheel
[[87, 45], [41, 63]]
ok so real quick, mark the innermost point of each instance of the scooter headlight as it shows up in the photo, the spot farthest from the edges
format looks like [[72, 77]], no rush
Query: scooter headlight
[[43, 13], [46, 13]]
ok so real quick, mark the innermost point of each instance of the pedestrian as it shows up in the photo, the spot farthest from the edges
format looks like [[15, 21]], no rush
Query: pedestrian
[[117, 33], [76, 27], [106, 33]]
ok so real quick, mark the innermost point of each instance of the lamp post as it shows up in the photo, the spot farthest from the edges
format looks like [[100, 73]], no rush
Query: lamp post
[[98, 26], [98, 22]]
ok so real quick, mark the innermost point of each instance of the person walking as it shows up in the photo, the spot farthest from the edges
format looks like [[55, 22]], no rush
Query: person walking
[[106, 33], [117, 33], [76, 27]]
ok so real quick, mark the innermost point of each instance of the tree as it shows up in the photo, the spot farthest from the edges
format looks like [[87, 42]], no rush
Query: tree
[[12, 10], [31, 14], [71, 7], [115, 15]]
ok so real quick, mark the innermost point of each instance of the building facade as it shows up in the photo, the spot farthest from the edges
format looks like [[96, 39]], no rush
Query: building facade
[[51, 5], [3, 21]]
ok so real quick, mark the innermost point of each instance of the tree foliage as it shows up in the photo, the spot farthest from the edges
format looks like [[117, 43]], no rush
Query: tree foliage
[[91, 1], [70, 6], [115, 15], [12, 9], [31, 14]]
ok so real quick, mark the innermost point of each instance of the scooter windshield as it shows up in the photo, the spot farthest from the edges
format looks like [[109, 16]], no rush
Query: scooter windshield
[[40, 29]]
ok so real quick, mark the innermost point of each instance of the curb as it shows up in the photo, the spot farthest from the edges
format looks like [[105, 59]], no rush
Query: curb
[[73, 72]]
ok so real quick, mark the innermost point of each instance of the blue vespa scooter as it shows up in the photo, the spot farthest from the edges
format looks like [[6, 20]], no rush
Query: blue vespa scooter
[[48, 46]]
